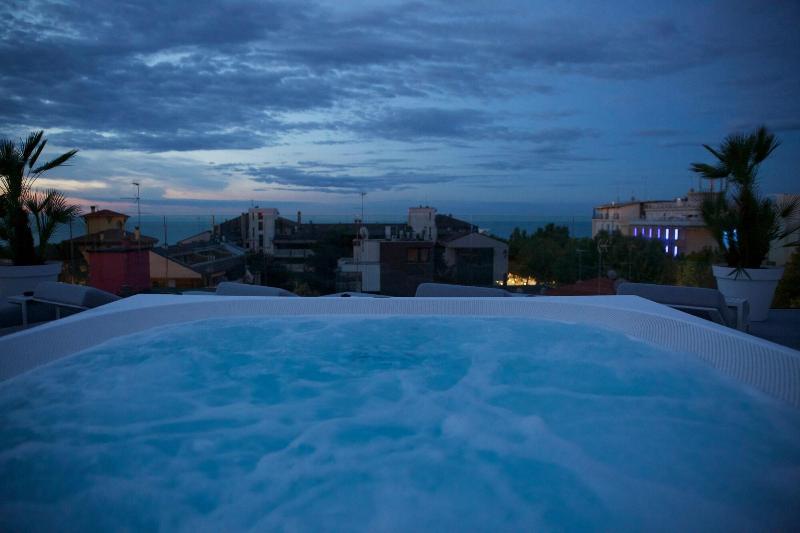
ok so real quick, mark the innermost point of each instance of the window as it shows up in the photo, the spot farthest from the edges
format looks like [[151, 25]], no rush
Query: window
[[418, 255], [676, 234]]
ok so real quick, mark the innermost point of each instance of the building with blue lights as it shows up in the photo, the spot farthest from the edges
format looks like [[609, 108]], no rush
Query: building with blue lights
[[678, 223]]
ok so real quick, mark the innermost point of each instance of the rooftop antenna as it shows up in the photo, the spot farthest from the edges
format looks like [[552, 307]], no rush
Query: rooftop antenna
[[138, 207], [137, 232], [137, 198], [363, 194]]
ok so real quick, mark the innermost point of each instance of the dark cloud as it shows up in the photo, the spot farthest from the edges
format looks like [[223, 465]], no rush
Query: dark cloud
[[426, 123], [519, 88], [333, 178]]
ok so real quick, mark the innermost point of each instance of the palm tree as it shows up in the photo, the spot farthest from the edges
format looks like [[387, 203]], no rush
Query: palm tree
[[49, 209], [743, 223], [19, 202]]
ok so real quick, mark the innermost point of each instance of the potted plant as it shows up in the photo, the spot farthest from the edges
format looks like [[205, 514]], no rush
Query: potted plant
[[744, 223], [23, 209]]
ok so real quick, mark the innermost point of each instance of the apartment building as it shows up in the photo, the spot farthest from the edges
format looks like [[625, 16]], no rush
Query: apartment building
[[431, 247], [678, 223]]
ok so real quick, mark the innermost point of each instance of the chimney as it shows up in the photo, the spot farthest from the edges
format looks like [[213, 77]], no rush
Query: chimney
[[137, 235], [299, 218], [93, 208]]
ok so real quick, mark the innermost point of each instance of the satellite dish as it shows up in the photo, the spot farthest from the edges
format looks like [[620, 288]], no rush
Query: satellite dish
[[363, 233]]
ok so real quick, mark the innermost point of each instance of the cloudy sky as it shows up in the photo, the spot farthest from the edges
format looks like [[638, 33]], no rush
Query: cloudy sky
[[490, 107]]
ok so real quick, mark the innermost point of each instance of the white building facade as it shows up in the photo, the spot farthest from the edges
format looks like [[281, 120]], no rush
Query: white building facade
[[261, 229]]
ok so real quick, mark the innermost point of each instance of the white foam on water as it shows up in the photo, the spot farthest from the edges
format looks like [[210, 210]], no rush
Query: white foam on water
[[393, 423]]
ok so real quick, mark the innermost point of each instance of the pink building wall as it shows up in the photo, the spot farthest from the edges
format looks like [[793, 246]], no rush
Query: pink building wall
[[115, 270]]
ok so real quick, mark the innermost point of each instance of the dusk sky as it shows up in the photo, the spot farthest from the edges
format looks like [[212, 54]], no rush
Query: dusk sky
[[492, 107]]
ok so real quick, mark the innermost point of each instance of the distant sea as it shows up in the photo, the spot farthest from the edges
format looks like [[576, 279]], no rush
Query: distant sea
[[179, 227]]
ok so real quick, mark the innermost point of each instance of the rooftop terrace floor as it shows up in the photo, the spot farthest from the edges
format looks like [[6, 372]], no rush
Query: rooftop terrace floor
[[782, 327]]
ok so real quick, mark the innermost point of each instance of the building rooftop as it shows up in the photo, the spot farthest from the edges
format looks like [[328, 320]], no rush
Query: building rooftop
[[288, 230], [622, 204], [105, 213], [110, 237], [449, 223], [204, 257]]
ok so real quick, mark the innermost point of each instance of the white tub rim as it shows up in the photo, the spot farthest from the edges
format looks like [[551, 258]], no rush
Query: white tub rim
[[772, 368]]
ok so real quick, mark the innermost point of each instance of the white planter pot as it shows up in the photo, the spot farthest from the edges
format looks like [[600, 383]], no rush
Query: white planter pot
[[15, 280], [757, 285]]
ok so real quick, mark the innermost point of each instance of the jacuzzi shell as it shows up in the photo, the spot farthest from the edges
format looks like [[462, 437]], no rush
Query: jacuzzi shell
[[767, 366]]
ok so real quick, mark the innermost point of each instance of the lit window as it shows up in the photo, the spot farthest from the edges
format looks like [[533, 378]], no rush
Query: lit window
[[659, 232], [635, 232], [666, 249], [674, 251], [650, 234], [676, 234], [667, 230]]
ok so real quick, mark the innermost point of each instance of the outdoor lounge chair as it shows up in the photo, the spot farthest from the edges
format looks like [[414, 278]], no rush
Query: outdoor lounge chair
[[63, 296], [705, 303], [230, 288], [350, 294], [443, 290]]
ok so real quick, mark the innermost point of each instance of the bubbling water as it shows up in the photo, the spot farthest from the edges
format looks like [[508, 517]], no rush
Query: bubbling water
[[392, 423]]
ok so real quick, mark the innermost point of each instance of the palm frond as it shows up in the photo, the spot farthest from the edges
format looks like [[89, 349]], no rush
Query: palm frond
[[49, 208], [714, 152], [30, 144], [32, 160], [788, 212], [711, 172], [789, 208], [764, 143], [58, 161], [9, 157]]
